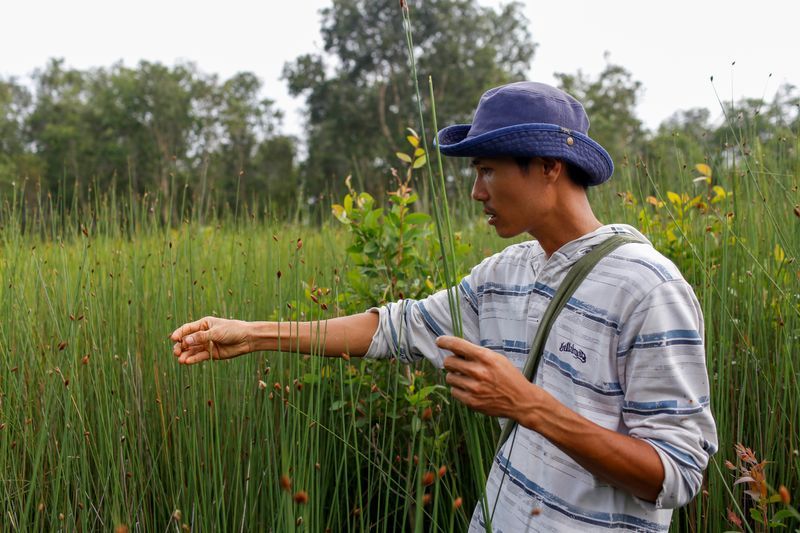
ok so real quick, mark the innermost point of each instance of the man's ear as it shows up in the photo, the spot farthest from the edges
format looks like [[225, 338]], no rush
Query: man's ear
[[552, 168]]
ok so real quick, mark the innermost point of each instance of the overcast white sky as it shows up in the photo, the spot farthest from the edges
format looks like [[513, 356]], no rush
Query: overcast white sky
[[671, 47]]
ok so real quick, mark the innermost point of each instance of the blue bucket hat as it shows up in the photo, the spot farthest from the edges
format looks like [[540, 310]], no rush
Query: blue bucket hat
[[529, 119]]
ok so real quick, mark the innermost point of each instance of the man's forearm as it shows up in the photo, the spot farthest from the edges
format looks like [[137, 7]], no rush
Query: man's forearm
[[624, 462], [349, 334]]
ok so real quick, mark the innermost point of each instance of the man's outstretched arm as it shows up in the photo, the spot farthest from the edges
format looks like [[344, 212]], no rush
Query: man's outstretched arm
[[197, 341]]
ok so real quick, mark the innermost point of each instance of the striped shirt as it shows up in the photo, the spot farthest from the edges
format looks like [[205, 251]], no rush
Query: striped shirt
[[626, 352]]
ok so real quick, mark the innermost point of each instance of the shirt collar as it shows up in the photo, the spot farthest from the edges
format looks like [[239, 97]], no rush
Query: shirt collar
[[570, 252]]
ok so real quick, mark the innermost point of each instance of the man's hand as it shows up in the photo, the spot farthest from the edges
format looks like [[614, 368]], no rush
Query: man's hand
[[211, 337], [486, 381]]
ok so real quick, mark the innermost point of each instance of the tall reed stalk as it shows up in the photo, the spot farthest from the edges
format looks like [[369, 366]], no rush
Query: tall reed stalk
[[470, 421]]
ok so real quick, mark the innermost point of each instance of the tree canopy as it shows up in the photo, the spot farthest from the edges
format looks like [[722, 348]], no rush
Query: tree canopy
[[360, 93]]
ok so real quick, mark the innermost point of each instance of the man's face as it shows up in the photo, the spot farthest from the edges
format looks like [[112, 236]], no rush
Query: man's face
[[512, 198]]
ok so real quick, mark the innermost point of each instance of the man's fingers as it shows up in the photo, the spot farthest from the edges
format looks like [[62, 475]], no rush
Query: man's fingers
[[187, 359], [197, 338], [188, 329], [460, 347], [454, 363], [459, 381]]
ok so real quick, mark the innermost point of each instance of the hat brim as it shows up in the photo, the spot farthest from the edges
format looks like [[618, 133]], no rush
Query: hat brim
[[530, 140]]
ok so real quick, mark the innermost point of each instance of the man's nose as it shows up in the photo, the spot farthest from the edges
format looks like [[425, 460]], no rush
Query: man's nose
[[479, 190]]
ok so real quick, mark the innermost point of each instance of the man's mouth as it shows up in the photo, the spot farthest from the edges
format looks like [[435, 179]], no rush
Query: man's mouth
[[491, 216]]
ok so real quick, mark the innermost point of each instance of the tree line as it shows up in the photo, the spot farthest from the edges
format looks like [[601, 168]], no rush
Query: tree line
[[156, 128]]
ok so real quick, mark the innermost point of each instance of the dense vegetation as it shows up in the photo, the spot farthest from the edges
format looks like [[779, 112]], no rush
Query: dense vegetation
[[134, 199]]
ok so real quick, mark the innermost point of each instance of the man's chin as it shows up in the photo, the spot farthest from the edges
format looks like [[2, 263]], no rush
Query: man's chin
[[506, 233]]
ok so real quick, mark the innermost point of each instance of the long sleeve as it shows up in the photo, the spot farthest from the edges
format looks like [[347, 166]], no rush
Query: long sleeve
[[662, 367], [408, 328]]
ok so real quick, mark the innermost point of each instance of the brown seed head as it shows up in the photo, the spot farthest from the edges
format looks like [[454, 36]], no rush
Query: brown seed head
[[427, 413], [797, 211], [177, 515], [426, 499], [786, 498], [286, 482], [428, 478], [261, 385], [442, 471], [85, 359], [121, 528], [733, 518], [457, 503], [301, 497]]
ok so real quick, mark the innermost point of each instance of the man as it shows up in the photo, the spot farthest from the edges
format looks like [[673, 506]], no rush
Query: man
[[616, 430]]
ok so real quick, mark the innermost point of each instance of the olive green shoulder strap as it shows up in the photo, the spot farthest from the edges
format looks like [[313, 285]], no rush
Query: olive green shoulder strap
[[571, 282]]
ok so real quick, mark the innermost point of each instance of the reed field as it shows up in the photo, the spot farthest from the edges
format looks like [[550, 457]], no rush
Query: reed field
[[100, 428]]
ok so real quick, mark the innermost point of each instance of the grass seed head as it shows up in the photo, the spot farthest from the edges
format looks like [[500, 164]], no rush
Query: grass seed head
[[177, 515], [457, 503], [428, 478], [442, 471], [426, 499], [786, 498], [301, 497], [286, 482]]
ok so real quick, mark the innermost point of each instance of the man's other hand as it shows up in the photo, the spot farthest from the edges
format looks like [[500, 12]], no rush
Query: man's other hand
[[486, 381]]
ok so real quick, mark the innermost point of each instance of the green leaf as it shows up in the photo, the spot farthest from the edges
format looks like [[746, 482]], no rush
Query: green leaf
[[756, 515], [414, 141], [418, 218], [311, 378], [416, 424], [338, 404], [418, 162], [372, 218], [783, 514], [370, 248], [348, 205], [419, 151], [423, 394], [403, 157]]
